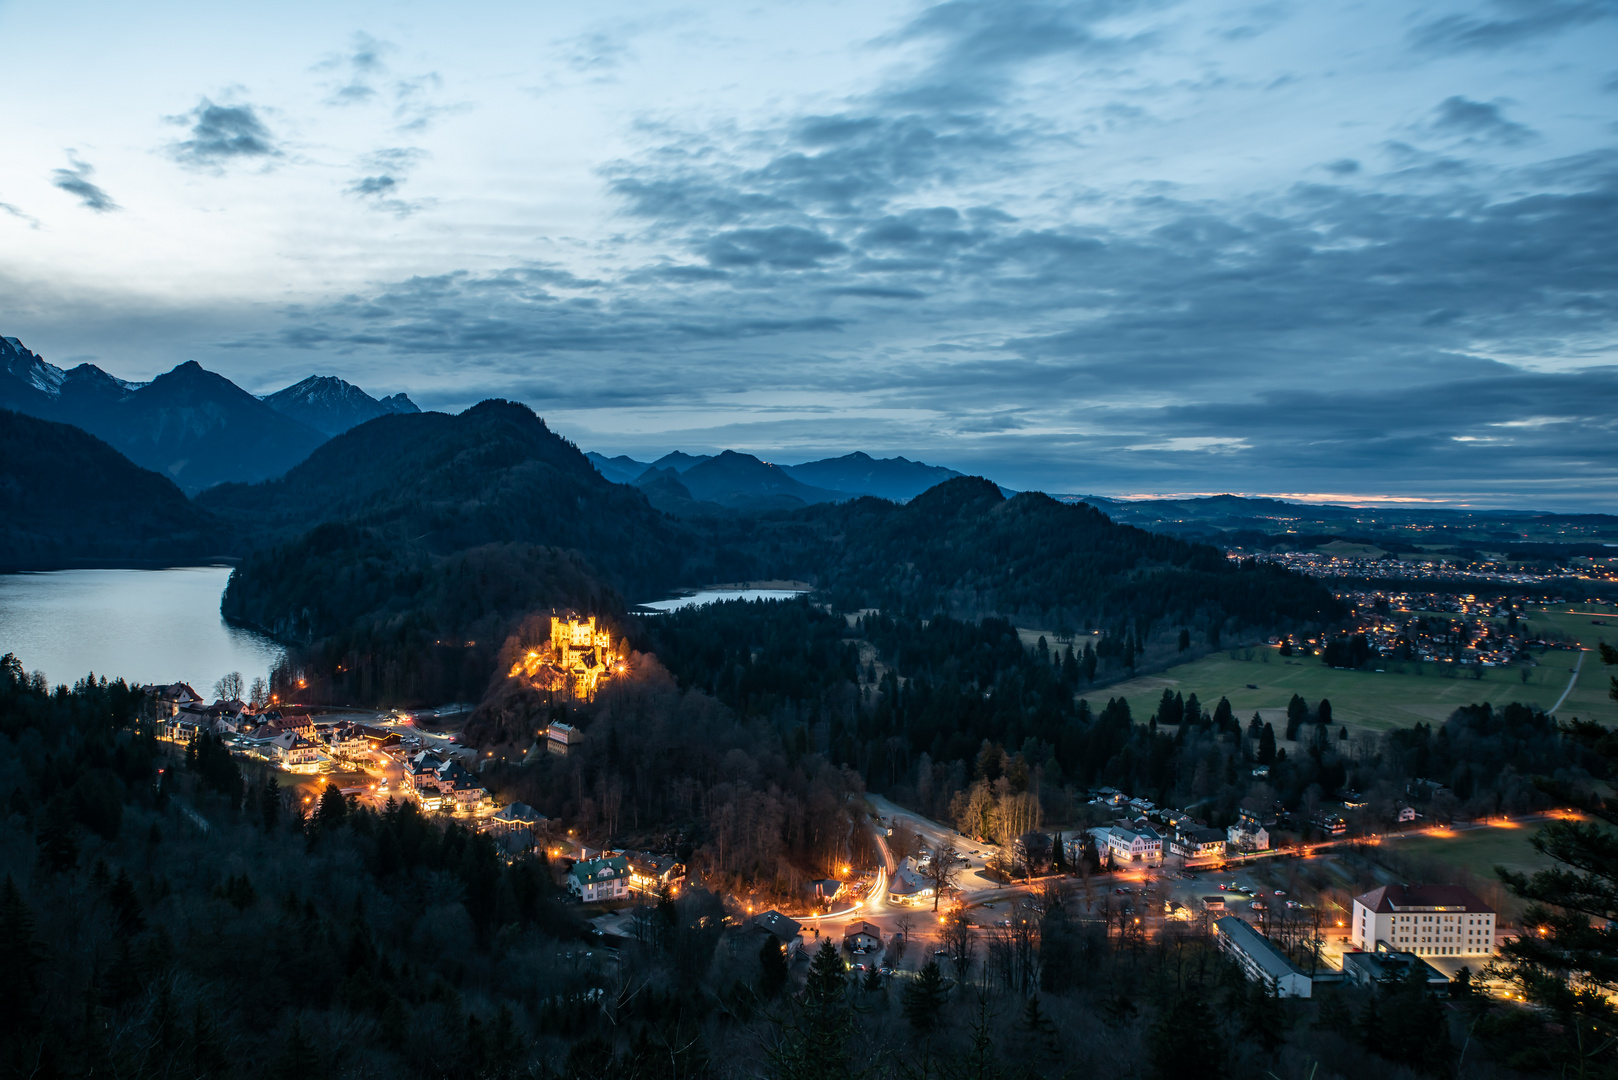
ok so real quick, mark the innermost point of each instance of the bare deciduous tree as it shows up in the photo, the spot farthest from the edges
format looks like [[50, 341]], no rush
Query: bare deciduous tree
[[230, 687], [942, 870], [957, 939]]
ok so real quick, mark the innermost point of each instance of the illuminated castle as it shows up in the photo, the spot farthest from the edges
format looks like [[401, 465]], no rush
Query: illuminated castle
[[578, 658]]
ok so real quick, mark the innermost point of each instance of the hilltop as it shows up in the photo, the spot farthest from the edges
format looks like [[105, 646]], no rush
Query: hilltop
[[69, 499], [194, 426]]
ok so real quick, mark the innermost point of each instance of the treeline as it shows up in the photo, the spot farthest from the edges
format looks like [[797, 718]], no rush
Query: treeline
[[163, 914]]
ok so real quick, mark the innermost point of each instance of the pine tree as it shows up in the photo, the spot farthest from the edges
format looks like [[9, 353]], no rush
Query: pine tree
[[58, 847], [1185, 1042], [815, 1046], [333, 808], [1039, 1027], [772, 967], [1568, 966], [126, 913], [1261, 1020], [1297, 713], [22, 955], [924, 997], [1266, 745], [298, 1060], [270, 803]]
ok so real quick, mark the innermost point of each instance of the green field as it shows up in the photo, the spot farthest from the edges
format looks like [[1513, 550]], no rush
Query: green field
[[1366, 699], [1576, 622], [1479, 850]]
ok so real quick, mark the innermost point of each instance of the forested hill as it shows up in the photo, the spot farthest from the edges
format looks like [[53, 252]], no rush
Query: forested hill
[[963, 548], [69, 499], [438, 483], [432, 537]]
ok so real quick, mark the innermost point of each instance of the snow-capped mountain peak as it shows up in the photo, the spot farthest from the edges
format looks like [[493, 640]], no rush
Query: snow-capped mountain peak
[[22, 364], [333, 405]]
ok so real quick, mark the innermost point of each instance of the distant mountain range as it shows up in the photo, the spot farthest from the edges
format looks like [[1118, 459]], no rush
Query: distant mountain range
[[687, 484], [200, 430], [330, 405], [194, 426], [1265, 523]]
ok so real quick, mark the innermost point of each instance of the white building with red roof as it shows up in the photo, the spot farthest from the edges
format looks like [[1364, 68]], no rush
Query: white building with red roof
[[1428, 920]]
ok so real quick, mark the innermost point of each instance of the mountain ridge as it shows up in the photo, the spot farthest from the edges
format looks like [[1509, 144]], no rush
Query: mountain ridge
[[68, 499], [332, 405]]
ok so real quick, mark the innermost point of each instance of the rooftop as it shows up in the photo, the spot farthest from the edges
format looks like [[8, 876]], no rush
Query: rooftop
[[1260, 948], [1391, 898]]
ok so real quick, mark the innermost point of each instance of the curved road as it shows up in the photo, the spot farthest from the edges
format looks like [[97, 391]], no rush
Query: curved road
[[1571, 682]]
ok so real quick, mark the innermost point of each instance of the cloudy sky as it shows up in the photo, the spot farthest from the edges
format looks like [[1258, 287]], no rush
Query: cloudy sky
[[1117, 246]]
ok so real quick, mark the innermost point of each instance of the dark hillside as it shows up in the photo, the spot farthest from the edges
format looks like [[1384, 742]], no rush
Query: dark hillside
[[964, 549], [370, 622], [434, 535], [68, 499], [195, 426], [492, 474], [454, 527], [858, 473], [743, 482]]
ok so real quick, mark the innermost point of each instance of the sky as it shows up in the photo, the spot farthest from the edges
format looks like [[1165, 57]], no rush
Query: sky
[[1361, 250]]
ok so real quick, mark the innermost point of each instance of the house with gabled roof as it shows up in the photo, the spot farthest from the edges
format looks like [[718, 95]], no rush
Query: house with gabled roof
[[605, 878], [1427, 920]]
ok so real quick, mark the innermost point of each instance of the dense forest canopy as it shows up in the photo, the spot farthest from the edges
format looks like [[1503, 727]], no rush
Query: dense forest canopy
[[966, 723], [964, 549]]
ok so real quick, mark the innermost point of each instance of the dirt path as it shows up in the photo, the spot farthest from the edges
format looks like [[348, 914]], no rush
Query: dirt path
[[1571, 682]]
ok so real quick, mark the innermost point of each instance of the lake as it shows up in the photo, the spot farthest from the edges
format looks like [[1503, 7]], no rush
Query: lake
[[147, 626], [709, 596]]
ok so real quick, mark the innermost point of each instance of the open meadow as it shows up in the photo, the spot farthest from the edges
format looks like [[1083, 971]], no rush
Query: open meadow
[[1401, 695], [1478, 850]]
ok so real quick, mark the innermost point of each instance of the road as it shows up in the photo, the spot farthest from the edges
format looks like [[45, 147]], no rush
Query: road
[[1144, 893], [1571, 682]]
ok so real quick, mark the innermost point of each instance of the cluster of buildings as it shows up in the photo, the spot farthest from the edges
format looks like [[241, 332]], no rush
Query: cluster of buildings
[[618, 875], [283, 736], [1323, 565], [290, 739], [1395, 929], [1146, 835], [439, 781]]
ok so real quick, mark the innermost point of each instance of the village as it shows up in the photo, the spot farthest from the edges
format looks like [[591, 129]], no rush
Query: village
[[1149, 872]]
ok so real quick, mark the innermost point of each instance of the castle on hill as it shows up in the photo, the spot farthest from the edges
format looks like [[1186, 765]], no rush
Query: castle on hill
[[579, 657]]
